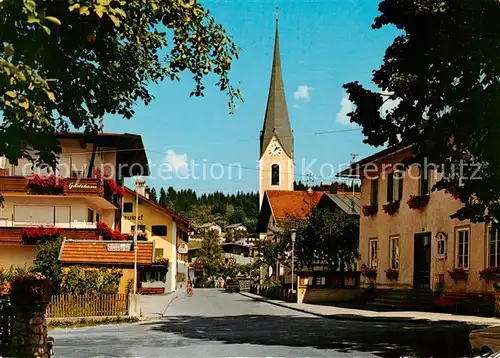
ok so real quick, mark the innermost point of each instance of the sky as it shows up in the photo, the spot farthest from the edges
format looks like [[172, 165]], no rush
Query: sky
[[195, 143]]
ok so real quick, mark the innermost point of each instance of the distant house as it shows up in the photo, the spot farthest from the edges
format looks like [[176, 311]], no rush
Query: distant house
[[207, 227], [236, 227], [279, 206], [347, 202], [249, 239]]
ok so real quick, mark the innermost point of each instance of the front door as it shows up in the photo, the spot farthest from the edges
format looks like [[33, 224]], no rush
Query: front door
[[422, 261]]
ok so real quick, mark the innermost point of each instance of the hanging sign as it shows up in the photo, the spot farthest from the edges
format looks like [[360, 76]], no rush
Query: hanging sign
[[182, 249]]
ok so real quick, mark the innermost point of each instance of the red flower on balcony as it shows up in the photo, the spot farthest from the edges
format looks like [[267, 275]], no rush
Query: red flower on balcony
[[490, 273], [418, 202], [370, 273], [392, 274], [110, 185], [391, 208], [370, 210], [458, 273], [161, 261], [50, 184], [35, 235], [108, 234]]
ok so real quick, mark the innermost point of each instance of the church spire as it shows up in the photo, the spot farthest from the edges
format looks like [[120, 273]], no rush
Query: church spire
[[276, 122]]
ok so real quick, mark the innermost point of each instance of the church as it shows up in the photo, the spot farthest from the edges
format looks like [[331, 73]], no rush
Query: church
[[276, 156]]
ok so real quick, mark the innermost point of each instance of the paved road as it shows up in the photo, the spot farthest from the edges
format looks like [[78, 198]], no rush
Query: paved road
[[218, 324]]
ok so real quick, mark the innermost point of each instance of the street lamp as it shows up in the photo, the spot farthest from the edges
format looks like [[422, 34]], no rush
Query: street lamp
[[139, 184], [294, 234]]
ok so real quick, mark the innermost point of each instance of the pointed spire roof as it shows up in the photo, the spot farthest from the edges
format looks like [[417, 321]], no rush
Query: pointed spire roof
[[276, 121]]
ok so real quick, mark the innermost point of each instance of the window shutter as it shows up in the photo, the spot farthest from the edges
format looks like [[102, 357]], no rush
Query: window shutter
[[390, 187]]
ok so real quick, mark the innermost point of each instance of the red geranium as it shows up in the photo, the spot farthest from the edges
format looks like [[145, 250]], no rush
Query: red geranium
[[418, 202], [109, 183], [108, 234], [42, 233], [391, 208], [50, 184], [369, 210]]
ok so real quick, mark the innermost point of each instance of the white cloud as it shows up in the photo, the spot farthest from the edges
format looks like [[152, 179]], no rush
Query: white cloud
[[303, 93], [177, 163], [346, 107]]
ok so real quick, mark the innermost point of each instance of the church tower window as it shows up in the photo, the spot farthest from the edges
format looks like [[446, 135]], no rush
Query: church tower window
[[275, 174]]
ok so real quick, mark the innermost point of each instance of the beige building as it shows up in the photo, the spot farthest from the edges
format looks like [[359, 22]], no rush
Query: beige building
[[276, 167], [167, 230], [71, 198], [422, 243]]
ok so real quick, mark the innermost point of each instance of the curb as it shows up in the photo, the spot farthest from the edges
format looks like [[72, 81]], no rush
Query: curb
[[357, 318]]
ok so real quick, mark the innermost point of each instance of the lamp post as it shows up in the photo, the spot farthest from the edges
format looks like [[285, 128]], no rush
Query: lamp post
[[139, 183], [294, 234]]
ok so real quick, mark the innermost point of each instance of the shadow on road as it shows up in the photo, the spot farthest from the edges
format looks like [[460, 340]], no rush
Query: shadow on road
[[384, 339]]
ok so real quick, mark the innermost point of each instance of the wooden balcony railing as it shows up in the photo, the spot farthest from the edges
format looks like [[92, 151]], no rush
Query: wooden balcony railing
[[14, 234], [76, 187]]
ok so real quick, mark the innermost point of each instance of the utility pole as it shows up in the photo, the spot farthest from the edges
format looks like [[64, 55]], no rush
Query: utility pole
[[139, 183]]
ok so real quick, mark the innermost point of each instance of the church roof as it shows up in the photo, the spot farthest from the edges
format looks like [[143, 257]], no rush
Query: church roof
[[276, 121]]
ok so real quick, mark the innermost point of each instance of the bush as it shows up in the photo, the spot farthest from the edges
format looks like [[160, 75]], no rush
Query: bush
[[31, 288], [79, 281]]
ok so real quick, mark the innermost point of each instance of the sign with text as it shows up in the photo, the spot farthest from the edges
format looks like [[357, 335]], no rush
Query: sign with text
[[73, 186], [118, 247], [182, 249]]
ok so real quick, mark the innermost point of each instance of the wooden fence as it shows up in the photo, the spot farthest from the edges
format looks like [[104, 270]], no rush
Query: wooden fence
[[88, 305]]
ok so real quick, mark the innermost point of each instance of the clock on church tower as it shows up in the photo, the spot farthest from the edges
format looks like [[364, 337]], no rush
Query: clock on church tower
[[276, 168]]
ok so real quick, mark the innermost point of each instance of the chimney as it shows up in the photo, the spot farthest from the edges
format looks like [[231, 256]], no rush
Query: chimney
[[140, 187], [147, 191]]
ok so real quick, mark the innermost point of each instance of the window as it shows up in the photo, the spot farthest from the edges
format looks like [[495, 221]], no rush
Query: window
[[275, 174], [394, 254], [441, 246], [158, 253], [462, 236], [390, 187], [398, 185], [97, 217], [494, 246], [374, 192], [424, 181], [90, 215], [373, 253], [141, 228], [159, 230], [128, 207]]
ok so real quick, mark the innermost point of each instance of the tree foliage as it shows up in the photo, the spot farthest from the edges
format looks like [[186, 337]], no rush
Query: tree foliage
[[223, 209], [153, 195], [66, 63], [442, 75], [211, 254], [79, 280], [47, 261]]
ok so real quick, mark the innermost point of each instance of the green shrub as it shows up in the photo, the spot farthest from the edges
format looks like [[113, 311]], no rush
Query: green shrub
[[79, 281]]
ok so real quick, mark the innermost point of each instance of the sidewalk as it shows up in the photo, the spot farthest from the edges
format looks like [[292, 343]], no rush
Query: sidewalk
[[365, 315]]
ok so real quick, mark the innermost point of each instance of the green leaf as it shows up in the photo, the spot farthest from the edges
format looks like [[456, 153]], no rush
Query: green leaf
[[33, 20], [11, 94], [84, 10], [115, 20], [46, 29], [24, 104], [53, 19], [74, 6], [51, 95]]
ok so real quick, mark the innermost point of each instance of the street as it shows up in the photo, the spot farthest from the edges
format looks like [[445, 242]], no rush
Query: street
[[214, 323]]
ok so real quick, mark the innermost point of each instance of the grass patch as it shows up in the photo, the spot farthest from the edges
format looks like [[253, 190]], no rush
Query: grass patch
[[89, 322]]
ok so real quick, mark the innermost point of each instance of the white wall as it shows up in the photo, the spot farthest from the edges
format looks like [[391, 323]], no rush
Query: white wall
[[41, 207]]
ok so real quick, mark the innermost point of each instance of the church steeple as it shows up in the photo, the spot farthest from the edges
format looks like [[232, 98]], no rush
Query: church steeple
[[276, 122]]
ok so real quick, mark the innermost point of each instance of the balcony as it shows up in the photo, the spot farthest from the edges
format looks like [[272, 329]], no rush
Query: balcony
[[88, 188], [12, 236]]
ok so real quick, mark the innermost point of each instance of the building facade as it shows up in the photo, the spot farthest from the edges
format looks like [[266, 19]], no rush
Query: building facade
[[73, 197], [166, 229], [276, 166], [406, 227]]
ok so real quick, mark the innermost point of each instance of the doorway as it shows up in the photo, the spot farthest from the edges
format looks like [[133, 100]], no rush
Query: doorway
[[422, 261]]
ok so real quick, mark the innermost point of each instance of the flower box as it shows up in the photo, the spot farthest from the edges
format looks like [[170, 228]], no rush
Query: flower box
[[370, 210], [47, 185], [490, 274], [161, 262], [35, 235], [392, 274], [370, 273], [418, 202], [391, 208], [30, 289], [458, 274]]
